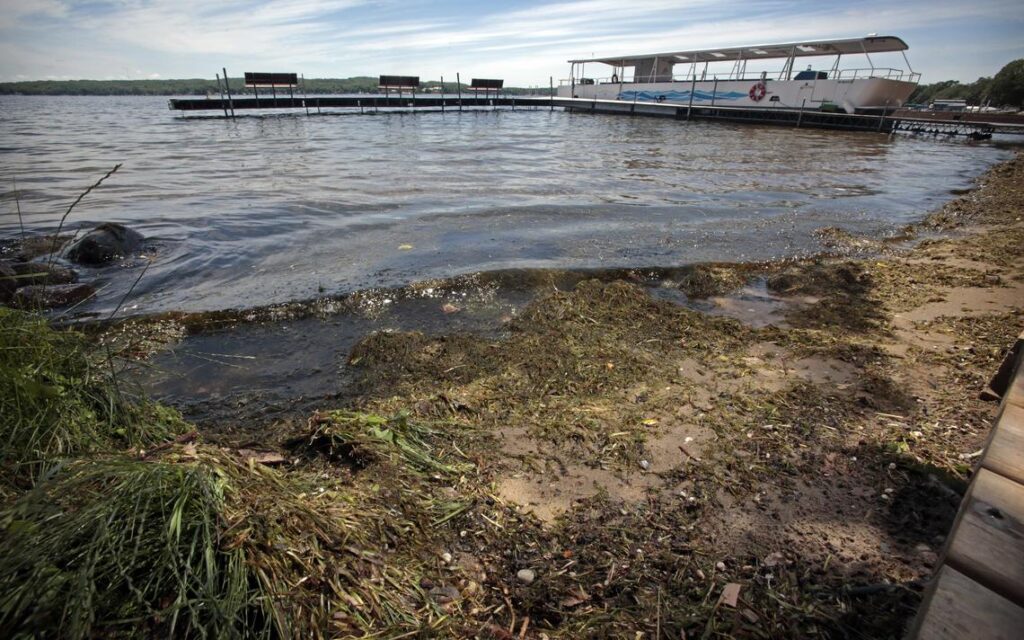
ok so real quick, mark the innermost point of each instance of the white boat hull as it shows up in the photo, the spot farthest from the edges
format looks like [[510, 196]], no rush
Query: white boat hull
[[848, 95]]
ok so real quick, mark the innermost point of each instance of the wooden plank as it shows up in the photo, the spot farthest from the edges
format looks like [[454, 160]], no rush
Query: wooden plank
[[1015, 394], [960, 608], [987, 541], [1001, 380], [1005, 452]]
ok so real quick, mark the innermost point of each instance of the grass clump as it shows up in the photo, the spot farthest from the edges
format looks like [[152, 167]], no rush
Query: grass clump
[[197, 544], [59, 398]]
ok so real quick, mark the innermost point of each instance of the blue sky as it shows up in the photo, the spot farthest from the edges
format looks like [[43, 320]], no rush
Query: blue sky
[[522, 41]]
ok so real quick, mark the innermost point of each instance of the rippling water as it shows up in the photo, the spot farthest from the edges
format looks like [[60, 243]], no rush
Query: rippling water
[[264, 210]]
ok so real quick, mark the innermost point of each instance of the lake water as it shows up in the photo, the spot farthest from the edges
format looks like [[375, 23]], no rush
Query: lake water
[[258, 211]]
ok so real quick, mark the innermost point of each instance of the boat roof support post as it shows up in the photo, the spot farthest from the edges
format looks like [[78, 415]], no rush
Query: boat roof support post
[[835, 67], [907, 60], [865, 50]]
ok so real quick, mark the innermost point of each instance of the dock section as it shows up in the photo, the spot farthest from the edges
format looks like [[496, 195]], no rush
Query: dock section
[[978, 590], [913, 122]]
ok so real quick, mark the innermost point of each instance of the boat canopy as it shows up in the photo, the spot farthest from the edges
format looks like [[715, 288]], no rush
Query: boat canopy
[[810, 48]]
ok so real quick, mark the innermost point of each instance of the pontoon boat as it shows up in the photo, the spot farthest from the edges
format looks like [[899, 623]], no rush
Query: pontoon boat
[[653, 77]]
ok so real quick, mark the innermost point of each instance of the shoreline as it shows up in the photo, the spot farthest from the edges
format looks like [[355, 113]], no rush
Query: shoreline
[[869, 375], [611, 462]]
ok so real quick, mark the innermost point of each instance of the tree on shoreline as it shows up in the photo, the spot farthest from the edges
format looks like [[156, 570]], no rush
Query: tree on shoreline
[[1007, 88]]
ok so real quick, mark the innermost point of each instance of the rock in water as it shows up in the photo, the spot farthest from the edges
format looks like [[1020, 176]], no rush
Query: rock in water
[[8, 282], [50, 297], [38, 273], [106, 242]]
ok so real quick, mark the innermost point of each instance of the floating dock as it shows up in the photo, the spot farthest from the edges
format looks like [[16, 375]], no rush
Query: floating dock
[[971, 125]]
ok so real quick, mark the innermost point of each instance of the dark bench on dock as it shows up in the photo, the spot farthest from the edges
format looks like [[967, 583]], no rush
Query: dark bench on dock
[[399, 83], [254, 80], [978, 590], [486, 85]]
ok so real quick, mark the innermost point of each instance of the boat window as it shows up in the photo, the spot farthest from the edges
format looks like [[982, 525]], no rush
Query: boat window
[[811, 75]]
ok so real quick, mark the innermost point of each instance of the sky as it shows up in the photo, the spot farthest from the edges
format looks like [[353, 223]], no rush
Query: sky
[[524, 42]]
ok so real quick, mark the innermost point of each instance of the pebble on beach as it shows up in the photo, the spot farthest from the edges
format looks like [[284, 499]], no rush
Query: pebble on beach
[[526, 576]]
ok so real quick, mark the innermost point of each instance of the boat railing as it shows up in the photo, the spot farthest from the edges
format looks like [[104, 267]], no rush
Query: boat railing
[[843, 74], [878, 72]]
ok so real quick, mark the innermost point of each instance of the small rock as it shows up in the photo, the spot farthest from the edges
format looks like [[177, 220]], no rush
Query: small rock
[[773, 559], [32, 247], [645, 465], [449, 308], [443, 594], [43, 297], [446, 557], [993, 279], [103, 244], [720, 566], [526, 576]]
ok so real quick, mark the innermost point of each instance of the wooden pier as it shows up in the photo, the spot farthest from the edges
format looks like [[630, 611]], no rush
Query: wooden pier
[[978, 590], [914, 122]]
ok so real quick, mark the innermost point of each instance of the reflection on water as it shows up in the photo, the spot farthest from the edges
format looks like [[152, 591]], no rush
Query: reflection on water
[[265, 210]]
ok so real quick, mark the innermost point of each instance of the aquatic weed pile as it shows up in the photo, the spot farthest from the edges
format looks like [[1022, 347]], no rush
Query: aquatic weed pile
[[199, 542], [127, 531]]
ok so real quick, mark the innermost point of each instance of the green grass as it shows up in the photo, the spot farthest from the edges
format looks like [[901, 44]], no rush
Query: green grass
[[199, 543], [59, 398]]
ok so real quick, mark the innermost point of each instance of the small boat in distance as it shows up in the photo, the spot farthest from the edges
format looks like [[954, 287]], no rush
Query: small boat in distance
[[653, 77]]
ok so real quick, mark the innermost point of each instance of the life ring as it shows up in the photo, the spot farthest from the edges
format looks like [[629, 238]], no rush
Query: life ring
[[757, 92]]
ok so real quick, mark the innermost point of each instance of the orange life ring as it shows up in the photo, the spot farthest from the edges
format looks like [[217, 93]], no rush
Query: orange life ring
[[757, 92]]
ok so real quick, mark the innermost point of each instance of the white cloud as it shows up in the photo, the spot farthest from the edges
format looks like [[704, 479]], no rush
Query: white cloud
[[188, 38]]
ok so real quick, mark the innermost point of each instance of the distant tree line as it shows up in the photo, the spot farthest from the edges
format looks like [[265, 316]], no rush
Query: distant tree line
[[1005, 89], [201, 87]]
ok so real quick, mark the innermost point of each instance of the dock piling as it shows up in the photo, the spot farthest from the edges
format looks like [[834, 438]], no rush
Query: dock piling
[[458, 86], [305, 102], [800, 116], [227, 86], [223, 103], [442, 94], [551, 91]]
